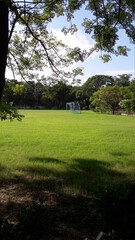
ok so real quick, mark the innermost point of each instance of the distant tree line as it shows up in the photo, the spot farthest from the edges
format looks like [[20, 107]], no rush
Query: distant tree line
[[100, 93], [33, 94], [116, 96]]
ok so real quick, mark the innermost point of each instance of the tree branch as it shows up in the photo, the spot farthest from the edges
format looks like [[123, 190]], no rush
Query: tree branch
[[51, 64], [119, 12], [12, 29], [17, 65]]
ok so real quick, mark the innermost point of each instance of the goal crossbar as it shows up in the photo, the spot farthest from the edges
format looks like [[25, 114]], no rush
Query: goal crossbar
[[74, 107]]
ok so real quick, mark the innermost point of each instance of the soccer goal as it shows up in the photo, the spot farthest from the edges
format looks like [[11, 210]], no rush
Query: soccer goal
[[74, 107]]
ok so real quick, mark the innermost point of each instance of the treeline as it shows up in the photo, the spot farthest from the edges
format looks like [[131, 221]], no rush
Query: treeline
[[100, 92], [111, 94], [32, 94]]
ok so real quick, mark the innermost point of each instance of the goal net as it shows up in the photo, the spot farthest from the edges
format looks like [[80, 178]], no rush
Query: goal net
[[74, 107]]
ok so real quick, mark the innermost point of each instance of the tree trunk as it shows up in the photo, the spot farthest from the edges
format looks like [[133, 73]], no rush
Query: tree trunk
[[3, 43]]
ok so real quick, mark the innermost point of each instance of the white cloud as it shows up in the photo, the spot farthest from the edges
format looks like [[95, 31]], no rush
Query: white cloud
[[78, 39], [116, 72], [9, 74]]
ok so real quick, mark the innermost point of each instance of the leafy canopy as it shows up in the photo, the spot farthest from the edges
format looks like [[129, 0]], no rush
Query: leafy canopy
[[34, 47]]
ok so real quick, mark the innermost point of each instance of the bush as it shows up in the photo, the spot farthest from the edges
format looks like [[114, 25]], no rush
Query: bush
[[116, 209]]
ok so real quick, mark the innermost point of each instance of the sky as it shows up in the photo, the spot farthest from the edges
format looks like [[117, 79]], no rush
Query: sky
[[93, 65]]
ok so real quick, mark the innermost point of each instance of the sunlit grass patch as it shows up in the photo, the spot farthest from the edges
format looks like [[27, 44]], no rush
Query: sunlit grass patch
[[87, 151]]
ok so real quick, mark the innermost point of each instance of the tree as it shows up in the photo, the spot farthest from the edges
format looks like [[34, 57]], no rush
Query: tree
[[122, 80], [30, 94], [132, 88], [34, 16], [8, 91], [3, 43], [95, 82], [107, 99], [82, 98], [127, 105], [128, 98], [61, 94], [47, 98]]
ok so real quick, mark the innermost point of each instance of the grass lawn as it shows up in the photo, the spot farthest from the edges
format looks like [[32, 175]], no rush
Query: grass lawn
[[63, 160]]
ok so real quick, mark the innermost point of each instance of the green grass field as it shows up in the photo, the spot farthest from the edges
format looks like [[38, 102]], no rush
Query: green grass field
[[63, 161], [86, 151]]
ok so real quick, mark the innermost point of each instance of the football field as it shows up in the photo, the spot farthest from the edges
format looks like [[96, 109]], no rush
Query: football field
[[86, 151]]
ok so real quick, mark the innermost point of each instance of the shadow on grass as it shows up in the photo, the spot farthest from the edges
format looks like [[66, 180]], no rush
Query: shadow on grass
[[2, 169], [66, 203], [119, 154], [82, 175], [46, 160]]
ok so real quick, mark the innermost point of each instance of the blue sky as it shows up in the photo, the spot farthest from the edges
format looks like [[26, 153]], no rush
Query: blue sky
[[94, 65]]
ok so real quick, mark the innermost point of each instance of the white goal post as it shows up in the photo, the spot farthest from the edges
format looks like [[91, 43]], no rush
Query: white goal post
[[74, 107]]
